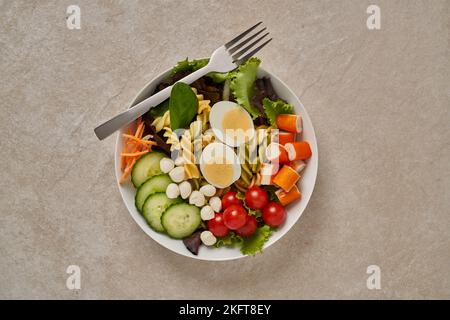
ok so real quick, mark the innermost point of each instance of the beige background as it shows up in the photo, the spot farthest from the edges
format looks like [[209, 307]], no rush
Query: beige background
[[379, 101]]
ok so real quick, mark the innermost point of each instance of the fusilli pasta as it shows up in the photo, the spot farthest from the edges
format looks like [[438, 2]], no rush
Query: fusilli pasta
[[187, 152], [208, 137], [172, 138], [160, 122], [203, 110]]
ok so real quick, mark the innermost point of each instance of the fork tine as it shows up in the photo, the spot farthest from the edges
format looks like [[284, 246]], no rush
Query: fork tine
[[251, 45], [239, 37], [251, 53], [243, 42]]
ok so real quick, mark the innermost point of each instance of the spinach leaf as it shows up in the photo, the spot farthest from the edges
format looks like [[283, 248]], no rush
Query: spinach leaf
[[183, 105]]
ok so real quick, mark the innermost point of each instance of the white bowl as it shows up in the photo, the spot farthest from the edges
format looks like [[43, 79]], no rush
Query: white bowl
[[294, 210]]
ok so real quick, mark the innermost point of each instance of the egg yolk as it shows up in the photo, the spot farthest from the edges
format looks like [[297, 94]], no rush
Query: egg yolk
[[236, 124], [219, 173]]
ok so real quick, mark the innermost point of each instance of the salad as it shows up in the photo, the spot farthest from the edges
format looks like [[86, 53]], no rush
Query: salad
[[217, 163]]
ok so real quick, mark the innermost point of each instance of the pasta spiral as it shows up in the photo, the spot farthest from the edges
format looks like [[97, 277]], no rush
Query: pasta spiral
[[208, 137], [195, 130], [172, 138], [187, 152], [160, 122], [203, 110], [250, 165]]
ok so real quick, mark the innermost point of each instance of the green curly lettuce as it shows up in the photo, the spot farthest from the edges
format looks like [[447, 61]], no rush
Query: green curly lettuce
[[275, 108], [255, 243], [218, 77], [186, 65], [256, 213], [231, 240], [242, 85], [248, 246], [194, 65], [240, 196]]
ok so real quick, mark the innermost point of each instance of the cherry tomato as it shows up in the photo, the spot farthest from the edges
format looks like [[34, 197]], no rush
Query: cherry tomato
[[274, 214], [256, 198], [235, 217], [249, 227], [217, 227], [229, 199]]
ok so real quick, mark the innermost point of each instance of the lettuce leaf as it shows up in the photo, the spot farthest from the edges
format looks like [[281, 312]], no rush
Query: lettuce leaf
[[254, 244], [240, 196], [194, 65], [275, 108], [256, 213], [186, 65], [218, 77], [249, 246], [242, 85], [230, 240]]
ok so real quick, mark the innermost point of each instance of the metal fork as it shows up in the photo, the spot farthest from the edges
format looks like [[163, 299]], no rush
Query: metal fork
[[224, 59]]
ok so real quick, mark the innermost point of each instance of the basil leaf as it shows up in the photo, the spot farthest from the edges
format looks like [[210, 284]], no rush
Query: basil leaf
[[183, 105]]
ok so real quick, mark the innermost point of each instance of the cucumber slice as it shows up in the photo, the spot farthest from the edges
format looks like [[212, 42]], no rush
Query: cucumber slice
[[146, 167], [181, 220], [156, 184], [154, 207]]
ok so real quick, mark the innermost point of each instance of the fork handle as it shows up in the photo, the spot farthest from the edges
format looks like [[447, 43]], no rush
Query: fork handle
[[109, 127]]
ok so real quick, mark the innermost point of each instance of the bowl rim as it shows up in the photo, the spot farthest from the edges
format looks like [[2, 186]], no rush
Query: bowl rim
[[276, 236]]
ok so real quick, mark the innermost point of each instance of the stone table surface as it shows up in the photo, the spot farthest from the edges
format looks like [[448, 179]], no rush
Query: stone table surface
[[379, 101]]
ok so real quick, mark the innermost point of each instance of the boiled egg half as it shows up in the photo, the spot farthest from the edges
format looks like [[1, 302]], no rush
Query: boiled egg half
[[219, 165], [231, 123]]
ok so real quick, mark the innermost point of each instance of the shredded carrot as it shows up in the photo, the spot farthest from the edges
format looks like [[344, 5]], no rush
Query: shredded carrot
[[123, 160], [138, 122], [134, 147], [145, 142], [127, 172], [139, 131], [134, 154]]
